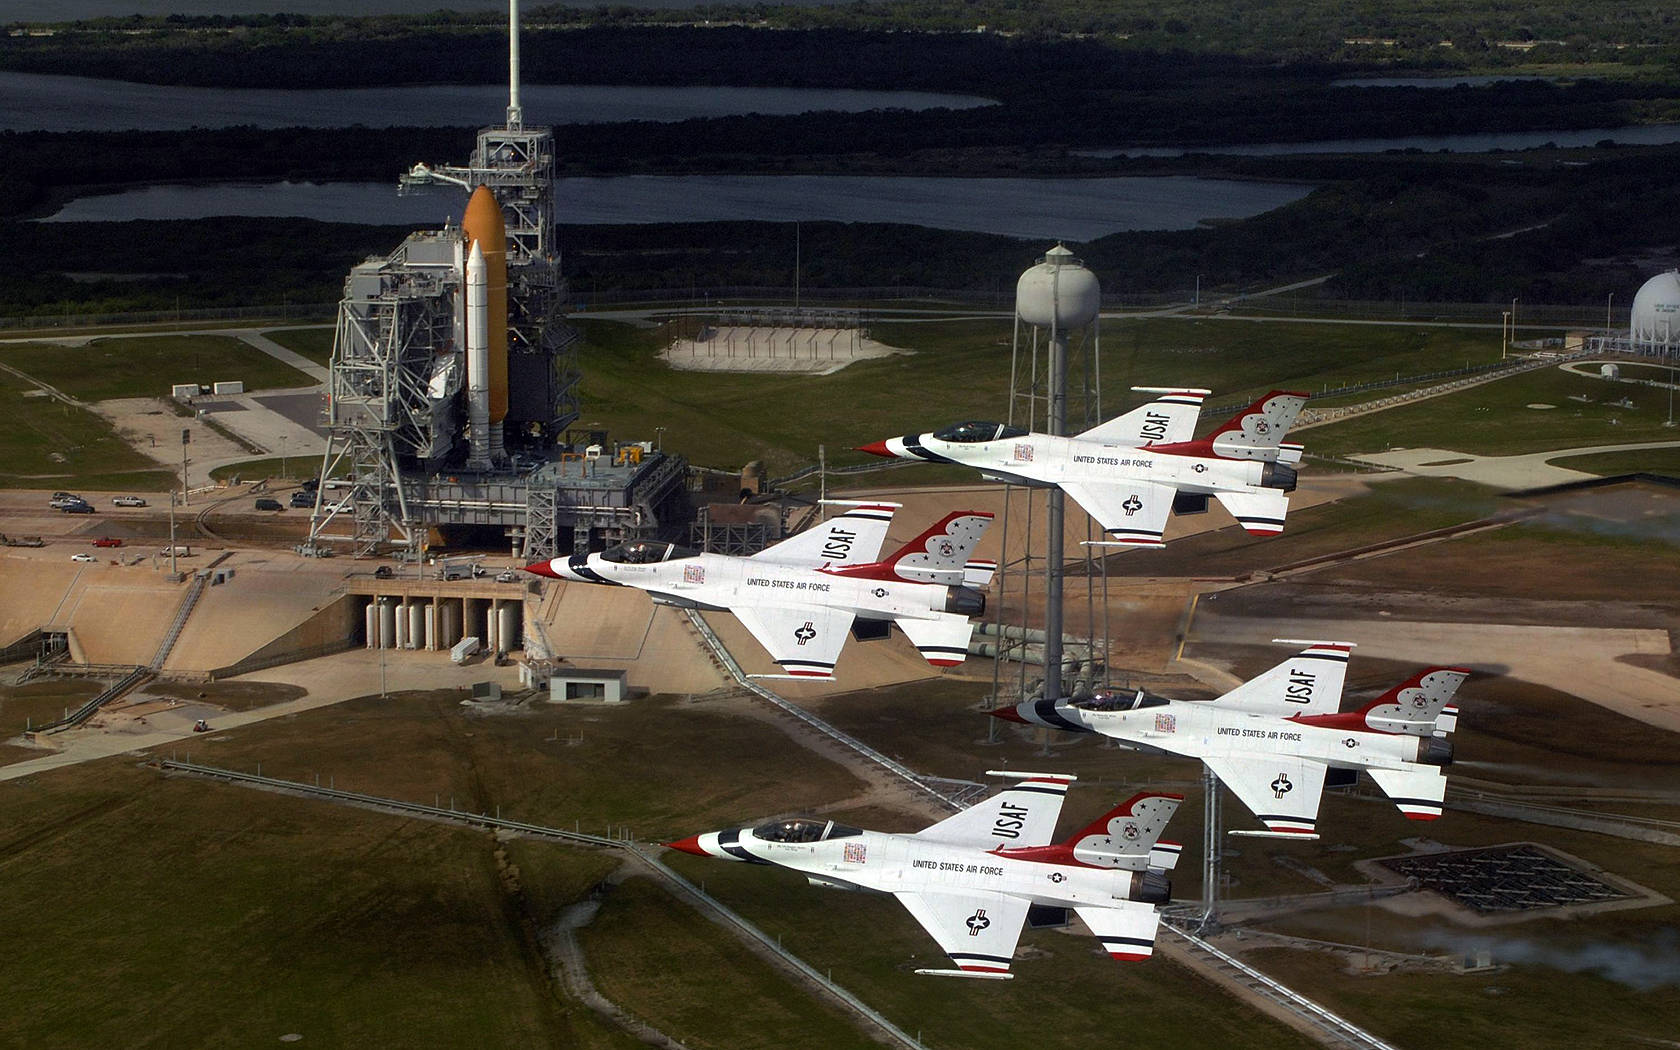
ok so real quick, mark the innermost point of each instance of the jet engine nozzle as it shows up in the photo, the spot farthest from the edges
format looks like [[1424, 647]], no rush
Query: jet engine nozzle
[[1277, 476], [1436, 751], [1151, 887], [965, 600]]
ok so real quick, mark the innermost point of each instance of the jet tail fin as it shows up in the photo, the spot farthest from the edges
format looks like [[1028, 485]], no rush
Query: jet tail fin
[[1257, 432], [1168, 419], [938, 555], [1308, 683], [1127, 833]]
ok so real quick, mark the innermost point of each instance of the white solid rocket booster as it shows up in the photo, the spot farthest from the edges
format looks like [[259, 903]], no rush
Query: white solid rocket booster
[[478, 359]]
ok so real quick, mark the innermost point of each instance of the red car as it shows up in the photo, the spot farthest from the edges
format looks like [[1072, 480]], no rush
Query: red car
[[107, 541]]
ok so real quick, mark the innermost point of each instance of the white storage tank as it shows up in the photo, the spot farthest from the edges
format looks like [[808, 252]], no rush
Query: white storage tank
[[387, 623], [1656, 314], [507, 633], [370, 624]]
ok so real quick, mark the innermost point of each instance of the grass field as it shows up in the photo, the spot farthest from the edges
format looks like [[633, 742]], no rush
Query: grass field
[[135, 366], [42, 701], [669, 966], [1646, 460], [960, 370], [1494, 419], [47, 442], [313, 343], [174, 912], [290, 468]]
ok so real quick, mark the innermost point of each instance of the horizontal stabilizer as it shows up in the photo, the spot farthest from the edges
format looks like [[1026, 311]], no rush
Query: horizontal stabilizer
[[1261, 512], [1126, 931], [942, 642], [1418, 791]]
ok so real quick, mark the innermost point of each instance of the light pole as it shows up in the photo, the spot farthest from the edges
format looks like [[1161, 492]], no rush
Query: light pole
[[171, 533], [659, 439], [1504, 332], [1607, 299], [283, 456], [1198, 289]]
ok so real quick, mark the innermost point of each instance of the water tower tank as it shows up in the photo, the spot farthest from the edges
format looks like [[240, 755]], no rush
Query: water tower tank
[[1058, 293]]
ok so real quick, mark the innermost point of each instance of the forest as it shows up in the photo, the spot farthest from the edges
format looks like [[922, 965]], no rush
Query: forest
[[1551, 226]]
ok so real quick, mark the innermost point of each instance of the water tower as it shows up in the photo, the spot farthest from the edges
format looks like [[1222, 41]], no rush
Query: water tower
[[1057, 301]]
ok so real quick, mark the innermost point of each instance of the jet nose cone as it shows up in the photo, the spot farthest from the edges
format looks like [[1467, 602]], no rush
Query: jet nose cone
[[689, 845], [542, 568], [1009, 714], [879, 448]]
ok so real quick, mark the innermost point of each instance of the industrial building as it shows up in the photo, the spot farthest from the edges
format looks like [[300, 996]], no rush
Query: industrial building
[[453, 383]]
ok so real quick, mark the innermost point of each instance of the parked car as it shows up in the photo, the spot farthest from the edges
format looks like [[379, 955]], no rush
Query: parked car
[[269, 504], [108, 541], [384, 572], [128, 501], [506, 576], [301, 498], [82, 557], [77, 508], [65, 495], [65, 499]]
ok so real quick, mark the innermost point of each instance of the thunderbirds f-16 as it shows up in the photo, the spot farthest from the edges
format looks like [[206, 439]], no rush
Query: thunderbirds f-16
[[1278, 740], [1133, 471], [802, 596], [974, 879]]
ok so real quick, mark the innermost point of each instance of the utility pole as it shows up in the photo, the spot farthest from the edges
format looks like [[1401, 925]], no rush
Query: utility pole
[[172, 573], [186, 439]]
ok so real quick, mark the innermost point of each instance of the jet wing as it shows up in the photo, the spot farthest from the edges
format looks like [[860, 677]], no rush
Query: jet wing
[[944, 642], [978, 931], [806, 642], [1131, 512], [1282, 790], [1125, 929], [1022, 815], [852, 538]]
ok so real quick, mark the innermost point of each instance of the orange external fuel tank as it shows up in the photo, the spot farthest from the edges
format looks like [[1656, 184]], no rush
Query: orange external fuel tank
[[482, 222]]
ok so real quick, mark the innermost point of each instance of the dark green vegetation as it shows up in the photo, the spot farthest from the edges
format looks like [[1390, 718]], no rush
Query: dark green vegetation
[[1648, 460], [1075, 77], [46, 440], [313, 343], [38, 702], [146, 366], [1494, 419]]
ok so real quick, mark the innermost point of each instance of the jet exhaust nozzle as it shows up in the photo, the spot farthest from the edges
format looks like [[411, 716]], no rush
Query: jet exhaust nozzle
[[1436, 751], [966, 601], [1278, 476], [1151, 887]]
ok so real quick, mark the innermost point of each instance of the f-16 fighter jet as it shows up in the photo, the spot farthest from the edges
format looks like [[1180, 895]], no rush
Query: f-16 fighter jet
[[972, 879], [1279, 739], [801, 596], [1134, 470]]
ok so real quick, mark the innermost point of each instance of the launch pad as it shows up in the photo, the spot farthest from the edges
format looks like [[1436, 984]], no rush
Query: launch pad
[[453, 381]]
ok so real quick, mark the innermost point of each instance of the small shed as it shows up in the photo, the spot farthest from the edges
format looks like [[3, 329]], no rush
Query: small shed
[[582, 685]]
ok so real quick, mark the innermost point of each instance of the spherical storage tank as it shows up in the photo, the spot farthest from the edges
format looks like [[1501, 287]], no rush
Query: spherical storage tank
[[1656, 313], [1058, 293]]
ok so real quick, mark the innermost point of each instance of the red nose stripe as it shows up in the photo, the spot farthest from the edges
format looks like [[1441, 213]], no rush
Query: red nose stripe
[[541, 569], [1009, 714], [689, 845], [879, 448]]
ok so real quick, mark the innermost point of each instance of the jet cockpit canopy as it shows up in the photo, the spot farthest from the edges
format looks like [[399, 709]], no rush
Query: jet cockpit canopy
[[1119, 701], [646, 552], [979, 430], [804, 829]]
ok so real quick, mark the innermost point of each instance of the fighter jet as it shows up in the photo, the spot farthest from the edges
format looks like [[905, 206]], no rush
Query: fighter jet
[[972, 880], [1133, 471], [1277, 741], [801, 596]]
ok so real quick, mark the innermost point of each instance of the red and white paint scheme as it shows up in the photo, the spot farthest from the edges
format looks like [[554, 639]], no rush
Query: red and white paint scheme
[[971, 880], [801, 597], [1277, 741], [1133, 471]]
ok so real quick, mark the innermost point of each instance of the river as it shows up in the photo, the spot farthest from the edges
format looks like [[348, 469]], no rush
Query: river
[[1072, 209]]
